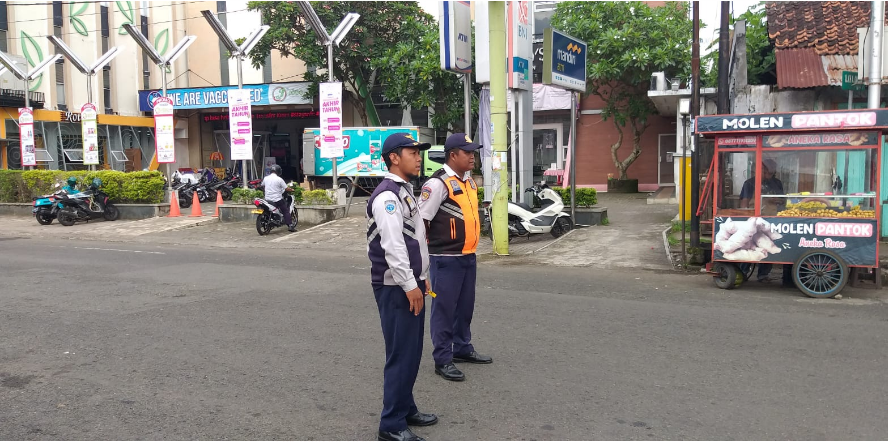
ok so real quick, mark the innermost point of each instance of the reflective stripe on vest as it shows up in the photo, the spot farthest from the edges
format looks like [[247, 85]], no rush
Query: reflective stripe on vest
[[455, 228]]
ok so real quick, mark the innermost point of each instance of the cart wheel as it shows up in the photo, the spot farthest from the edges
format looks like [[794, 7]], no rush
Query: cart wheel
[[727, 276], [820, 274]]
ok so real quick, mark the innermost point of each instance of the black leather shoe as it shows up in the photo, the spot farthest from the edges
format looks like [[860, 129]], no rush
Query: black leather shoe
[[422, 420], [449, 372], [404, 434], [473, 358]]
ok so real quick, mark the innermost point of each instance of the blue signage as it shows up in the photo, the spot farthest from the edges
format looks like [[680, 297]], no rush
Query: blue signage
[[564, 61], [207, 97]]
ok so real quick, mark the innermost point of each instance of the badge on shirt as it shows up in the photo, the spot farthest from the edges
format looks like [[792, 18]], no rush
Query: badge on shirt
[[426, 193], [411, 204], [472, 183], [457, 189], [390, 206]]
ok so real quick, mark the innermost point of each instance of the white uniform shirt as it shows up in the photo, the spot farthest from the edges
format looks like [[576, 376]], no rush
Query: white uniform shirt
[[274, 187], [390, 224]]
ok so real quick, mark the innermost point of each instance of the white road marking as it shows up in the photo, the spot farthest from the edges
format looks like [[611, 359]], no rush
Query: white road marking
[[120, 250]]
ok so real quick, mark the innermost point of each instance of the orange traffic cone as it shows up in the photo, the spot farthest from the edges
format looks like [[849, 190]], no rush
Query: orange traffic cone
[[174, 204], [218, 203], [195, 206]]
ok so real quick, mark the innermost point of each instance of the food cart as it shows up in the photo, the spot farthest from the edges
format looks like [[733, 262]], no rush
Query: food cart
[[799, 189]]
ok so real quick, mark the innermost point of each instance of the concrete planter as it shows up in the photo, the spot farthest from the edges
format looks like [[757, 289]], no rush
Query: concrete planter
[[589, 216], [622, 186], [127, 211], [308, 215], [16, 209], [143, 211]]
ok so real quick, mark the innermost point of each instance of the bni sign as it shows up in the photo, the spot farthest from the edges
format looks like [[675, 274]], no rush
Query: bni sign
[[564, 61], [455, 34]]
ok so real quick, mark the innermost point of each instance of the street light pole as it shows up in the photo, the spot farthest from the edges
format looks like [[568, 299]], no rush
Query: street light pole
[[333, 171]]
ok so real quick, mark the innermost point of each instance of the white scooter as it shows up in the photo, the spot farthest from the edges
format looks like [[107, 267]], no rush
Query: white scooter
[[523, 221]]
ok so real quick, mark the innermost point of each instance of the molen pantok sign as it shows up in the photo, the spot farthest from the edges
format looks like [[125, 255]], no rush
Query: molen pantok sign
[[807, 120]]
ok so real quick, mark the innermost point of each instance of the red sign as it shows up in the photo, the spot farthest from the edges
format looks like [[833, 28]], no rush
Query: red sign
[[267, 116]]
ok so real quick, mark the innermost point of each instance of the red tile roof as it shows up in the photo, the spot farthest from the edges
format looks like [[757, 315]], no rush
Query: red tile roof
[[815, 41]]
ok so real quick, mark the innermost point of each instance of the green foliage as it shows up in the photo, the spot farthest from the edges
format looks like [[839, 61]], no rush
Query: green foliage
[[297, 193], [584, 196], [392, 42], [123, 188], [676, 226], [245, 196], [605, 222], [627, 43], [317, 197], [673, 241], [761, 61]]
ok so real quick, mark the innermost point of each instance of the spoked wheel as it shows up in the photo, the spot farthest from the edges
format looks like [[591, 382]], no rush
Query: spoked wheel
[[211, 195], [66, 218], [44, 219], [111, 212], [263, 224], [294, 218], [727, 276], [562, 225], [820, 274], [226, 194], [184, 202]]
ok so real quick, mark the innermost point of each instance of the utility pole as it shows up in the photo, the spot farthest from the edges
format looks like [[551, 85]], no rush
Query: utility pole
[[724, 61], [695, 111], [499, 223], [877, 25], [238, 52]]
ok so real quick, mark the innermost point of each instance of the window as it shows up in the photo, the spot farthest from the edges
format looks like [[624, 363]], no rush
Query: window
[[223, 52], [146, 66], [4, 26], [61, 99]]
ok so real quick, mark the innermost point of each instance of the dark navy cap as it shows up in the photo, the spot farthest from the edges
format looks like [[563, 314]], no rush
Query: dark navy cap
[[401, 139], [461, 141]]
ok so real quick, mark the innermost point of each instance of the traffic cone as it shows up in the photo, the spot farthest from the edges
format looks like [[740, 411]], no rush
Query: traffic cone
[[218, 203], [174, 204], [195, 206]]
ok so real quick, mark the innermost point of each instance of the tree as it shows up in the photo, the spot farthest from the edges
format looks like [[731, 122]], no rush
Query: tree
[[761, 61], [627, 43], [393, 44]]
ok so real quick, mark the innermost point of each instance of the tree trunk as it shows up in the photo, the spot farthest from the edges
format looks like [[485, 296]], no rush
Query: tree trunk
[[614, 148]]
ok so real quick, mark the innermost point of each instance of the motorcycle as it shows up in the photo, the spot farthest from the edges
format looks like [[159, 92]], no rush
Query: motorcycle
[[85, 206], [46, 208], [523, 221], [269, 215]]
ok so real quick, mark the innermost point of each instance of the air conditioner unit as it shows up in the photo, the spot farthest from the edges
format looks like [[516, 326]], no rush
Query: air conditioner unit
[[658, 81]]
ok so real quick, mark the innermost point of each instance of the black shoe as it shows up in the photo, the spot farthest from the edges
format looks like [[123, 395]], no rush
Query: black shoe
[[404, 434], [422, 419], [473, 358], [449, 372], [292, 229]]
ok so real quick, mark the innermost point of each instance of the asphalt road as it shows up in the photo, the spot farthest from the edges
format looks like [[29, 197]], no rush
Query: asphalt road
[[134, 341]]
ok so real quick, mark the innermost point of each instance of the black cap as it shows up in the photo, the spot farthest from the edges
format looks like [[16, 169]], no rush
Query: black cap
[[402, 139], [461, 141]]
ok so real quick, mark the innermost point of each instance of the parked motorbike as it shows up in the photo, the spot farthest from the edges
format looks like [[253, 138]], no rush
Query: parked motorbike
[[46, 208], [269, 215], [523, 221], [84, 206]]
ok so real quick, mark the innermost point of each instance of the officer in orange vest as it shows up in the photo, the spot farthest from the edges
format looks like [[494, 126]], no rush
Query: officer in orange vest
[[449, 206]]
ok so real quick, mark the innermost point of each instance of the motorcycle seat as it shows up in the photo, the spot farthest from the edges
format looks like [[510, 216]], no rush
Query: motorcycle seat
[[523, 206]]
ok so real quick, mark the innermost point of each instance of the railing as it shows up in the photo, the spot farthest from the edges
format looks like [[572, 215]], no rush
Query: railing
[[16, 98]]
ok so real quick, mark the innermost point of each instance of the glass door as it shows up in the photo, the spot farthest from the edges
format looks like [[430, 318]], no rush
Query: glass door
[[548, 152]]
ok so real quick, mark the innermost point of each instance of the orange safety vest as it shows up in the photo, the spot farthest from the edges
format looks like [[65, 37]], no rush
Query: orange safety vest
[[455, 228]]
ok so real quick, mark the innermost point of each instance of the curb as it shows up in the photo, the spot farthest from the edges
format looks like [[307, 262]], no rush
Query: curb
[[666, 247]]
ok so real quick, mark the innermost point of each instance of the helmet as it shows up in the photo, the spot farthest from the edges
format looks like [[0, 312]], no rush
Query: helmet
[[276, 169], [72, 181], [97, 182]]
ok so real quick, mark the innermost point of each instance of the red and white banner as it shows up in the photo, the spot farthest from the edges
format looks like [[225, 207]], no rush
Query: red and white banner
[[26, 137], [164, 139]]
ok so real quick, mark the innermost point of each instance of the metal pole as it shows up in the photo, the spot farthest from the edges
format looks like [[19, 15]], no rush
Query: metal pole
[[330, 79], [684, 164], [850, 99], [695, 111], [467, 102], [573, 157], [28, 102], [724, 62], [500, 222], [240, 85], [513, 136], [163, 89], [89, 100], [877, 24]]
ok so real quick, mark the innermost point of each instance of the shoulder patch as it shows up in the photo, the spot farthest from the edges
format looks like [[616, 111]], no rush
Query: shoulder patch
[[390, 206], [472, 183], [426, 192]]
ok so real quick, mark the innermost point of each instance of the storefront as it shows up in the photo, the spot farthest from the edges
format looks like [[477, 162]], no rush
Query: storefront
[[125, 143], [280, 114]]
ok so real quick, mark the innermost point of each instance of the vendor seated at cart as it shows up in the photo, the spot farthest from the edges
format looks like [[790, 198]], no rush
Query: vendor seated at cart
[[770, 186]]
